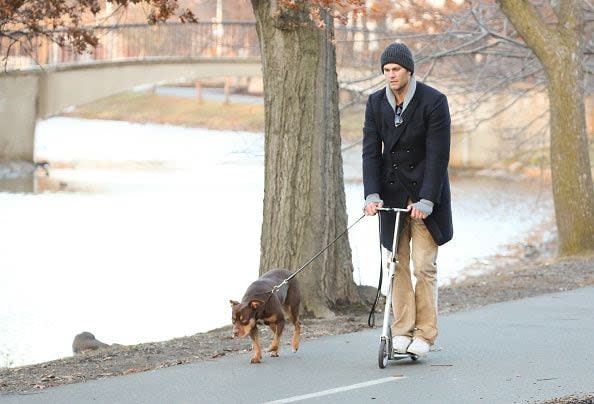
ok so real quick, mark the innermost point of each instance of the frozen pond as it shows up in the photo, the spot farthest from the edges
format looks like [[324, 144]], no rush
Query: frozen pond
[[129, 240]]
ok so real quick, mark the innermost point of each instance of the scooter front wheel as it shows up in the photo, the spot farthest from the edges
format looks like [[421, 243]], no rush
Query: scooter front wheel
[[383, 354]]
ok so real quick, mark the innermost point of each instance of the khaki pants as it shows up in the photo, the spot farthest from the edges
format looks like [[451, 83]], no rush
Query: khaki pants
[[415, 309]]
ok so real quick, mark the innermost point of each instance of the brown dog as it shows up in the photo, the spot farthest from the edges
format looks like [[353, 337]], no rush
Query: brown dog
[[259, 303]]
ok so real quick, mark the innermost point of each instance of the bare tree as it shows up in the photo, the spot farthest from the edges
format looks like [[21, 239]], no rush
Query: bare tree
[[559, 46], [509, 53], [547, 47]]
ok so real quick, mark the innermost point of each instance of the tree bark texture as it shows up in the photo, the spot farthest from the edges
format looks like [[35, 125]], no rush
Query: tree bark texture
[[560, 50], [304, 199]]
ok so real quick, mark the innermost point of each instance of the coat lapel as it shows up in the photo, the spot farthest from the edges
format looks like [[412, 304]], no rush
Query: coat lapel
[[388, 118]]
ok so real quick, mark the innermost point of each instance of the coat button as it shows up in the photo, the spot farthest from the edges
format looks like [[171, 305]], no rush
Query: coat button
[[408, 150], [393, 152], [411, 166], [391, 182], [394, 165], [414, 183]]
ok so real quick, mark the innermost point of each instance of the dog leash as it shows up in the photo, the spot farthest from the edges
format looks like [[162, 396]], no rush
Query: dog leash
[[371, 318], [294, 274]]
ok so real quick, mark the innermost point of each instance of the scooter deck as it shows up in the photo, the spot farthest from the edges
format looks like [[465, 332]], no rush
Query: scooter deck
[[400, 356]]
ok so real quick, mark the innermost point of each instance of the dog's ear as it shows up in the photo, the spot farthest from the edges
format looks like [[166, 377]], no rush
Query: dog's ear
[[233, 303], [255, 303]]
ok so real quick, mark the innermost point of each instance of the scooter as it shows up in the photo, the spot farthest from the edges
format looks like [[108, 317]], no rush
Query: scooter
[[386, 350]]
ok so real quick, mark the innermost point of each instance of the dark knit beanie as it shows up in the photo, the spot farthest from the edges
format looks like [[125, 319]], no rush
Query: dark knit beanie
[[400, 54]]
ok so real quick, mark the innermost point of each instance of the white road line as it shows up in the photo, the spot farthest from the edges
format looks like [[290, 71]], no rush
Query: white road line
[[336, 390]]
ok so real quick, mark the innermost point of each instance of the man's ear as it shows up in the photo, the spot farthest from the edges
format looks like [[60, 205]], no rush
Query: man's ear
[[233, 303], [255, 303]]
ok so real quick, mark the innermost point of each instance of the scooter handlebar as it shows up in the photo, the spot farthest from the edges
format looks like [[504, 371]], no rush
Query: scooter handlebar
[[393, 209]]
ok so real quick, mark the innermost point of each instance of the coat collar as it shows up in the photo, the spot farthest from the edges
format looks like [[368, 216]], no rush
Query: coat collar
[[388, 114], [412, 87]]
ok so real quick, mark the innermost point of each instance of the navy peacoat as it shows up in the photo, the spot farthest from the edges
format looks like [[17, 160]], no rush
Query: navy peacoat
[[409, 161]]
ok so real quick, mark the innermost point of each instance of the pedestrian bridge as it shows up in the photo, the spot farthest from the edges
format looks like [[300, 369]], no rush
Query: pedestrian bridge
[[27, 96], [43, 79]]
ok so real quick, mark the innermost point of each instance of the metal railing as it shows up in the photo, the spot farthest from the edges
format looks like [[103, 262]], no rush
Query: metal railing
[[230, 39], [137, 41]]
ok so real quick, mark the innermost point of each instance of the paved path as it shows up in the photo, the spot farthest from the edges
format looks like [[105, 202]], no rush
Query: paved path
[[513, 352]]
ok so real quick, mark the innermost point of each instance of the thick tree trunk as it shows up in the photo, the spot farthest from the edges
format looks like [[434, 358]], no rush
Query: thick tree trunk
[[570, 161], [304, 200], [560, 50]]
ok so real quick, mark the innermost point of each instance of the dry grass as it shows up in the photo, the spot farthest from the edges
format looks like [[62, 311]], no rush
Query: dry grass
[[147, 107]]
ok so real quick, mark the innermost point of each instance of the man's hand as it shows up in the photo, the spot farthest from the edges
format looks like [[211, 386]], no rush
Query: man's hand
[[421, 209], [372, 202], [371, 208]]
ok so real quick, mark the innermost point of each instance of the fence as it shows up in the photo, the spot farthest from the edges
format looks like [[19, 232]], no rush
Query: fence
[[136, 41], [355, 47]]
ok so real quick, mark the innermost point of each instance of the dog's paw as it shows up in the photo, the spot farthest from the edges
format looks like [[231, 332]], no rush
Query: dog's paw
[[255, 359], [274, 354]]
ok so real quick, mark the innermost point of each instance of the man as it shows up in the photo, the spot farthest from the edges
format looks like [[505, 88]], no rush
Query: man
[[406, 147]]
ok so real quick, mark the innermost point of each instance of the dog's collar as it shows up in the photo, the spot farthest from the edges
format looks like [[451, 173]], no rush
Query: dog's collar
[[259, 312]]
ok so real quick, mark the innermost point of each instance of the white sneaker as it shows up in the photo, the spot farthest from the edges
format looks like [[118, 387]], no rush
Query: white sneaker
[[418, 347], [400, 343]]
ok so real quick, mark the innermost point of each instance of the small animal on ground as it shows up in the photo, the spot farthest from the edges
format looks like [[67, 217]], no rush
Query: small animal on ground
[[85, 341], [259, 303]]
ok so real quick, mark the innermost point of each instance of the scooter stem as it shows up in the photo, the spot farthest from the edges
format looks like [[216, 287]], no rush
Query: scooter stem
[[391, 273]]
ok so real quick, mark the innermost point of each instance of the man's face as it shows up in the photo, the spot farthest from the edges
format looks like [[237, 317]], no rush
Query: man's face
[[397, 77]]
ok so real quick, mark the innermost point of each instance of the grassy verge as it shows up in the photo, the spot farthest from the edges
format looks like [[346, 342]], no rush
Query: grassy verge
[[147, 107]]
